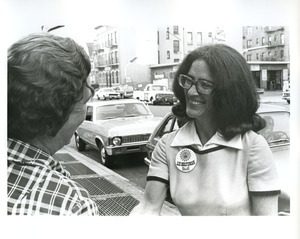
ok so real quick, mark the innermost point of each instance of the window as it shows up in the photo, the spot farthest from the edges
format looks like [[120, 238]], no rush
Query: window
[[275, 38], [248, 57], [89, 113], [168, 33], [263, 56], [112, 75], [158, 57], [176, 60], [116, 56], [189, 38], [275, 53], [117, 77], [269, 40], [257, 41], [199, 38], [116, 42], [176, 46], [281, 39], [168, 54], [175, 29], [210, 34], [249, 43], [249, 31], [263, 41], [282, 53], [257, 56], [269, 53]]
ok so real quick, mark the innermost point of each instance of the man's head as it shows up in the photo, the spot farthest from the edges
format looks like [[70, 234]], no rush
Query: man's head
[[47, 77]]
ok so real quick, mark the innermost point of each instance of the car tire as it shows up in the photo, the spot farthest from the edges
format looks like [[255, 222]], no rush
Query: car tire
[[105, 159], [80, 144]]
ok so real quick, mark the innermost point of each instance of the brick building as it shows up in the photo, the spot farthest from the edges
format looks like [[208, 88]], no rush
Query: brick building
[[266, 50]]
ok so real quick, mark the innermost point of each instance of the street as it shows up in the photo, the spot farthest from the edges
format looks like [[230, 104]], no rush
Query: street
[[133, 167]]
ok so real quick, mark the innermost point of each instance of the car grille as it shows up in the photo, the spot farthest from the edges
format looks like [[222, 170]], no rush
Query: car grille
[[135, 138]]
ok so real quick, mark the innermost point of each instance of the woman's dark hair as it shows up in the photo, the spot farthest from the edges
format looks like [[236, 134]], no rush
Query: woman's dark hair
[[235, 96], [46, 75]]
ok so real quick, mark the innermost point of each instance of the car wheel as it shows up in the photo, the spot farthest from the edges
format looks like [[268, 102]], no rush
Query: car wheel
[[105, 159], [80, 144]]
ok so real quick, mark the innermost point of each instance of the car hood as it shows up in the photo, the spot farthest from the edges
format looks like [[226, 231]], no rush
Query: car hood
[[281, 157], [129, 125]]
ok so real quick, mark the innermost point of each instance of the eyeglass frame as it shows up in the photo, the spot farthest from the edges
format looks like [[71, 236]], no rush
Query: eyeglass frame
[[194, 82]]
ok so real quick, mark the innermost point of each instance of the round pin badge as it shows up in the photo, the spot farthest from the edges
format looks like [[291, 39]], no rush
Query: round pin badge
[[186, 160]]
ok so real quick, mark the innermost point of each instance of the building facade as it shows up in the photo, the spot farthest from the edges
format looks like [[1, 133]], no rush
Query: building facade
[[266, 50], [174, 43], [137, 56], [122, 55]]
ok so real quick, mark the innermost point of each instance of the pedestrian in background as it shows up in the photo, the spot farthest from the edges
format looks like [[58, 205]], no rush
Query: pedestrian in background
[[216, 164], [47, 96]]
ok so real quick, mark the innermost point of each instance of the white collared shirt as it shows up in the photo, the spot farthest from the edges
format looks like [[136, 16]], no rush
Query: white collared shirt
[[222, 175], [187, 135]]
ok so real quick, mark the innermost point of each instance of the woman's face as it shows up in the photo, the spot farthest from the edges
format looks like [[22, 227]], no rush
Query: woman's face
[[197, 104]]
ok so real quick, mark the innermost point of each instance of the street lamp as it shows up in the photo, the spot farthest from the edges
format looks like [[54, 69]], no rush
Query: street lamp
[[125, 68]]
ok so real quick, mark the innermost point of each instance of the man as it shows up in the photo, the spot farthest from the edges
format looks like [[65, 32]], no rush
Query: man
[[47, 96]]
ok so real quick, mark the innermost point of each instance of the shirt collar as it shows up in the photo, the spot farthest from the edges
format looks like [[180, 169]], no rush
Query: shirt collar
[[187, 136], [26, 154]]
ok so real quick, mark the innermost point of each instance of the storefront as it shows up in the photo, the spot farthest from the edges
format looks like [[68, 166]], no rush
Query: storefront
[[269, 75]]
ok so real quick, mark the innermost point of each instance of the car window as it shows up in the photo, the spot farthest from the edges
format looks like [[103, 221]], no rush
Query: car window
[[159, 88], [121, 110], [277, 130], [89, 113]]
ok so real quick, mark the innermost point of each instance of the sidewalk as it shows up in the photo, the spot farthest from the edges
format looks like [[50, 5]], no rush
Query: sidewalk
[[114, 194]]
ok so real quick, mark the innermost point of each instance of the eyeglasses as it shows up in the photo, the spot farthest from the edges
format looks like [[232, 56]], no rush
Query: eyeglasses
[[202, 86]]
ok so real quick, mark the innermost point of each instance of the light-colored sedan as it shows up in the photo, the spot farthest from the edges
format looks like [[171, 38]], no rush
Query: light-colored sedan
[[107, 93], [116, 127], [276, 132]]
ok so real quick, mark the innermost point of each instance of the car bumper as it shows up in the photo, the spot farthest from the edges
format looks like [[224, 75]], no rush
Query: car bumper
[[164, 100], [127, 149], [114, 96]]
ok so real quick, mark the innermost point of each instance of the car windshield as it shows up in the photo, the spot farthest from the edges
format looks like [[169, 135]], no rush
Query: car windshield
[[277, 130], [108, 90], [121, 110], [159, 88]]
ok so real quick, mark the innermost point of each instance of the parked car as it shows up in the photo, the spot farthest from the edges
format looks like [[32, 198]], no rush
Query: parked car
[[260, 90], [124, 91], [286, 95], [276, 132], [116, 127], [155, 94], [107, 93]]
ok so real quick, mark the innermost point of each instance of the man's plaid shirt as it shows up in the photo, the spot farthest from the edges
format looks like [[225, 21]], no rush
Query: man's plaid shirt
[[37, 184]]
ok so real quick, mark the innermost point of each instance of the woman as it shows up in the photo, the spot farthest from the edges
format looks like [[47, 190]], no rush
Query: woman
[[215, 164]]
